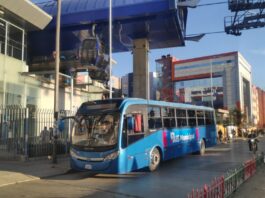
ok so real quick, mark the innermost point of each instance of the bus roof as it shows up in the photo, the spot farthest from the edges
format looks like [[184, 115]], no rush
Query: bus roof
[[131, 101], [122, 102]]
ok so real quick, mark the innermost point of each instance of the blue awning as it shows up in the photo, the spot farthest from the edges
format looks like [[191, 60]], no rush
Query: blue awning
[[90, 11], [160, 21]]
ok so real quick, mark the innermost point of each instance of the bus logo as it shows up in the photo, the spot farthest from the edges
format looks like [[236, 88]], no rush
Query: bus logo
[[177, 138]]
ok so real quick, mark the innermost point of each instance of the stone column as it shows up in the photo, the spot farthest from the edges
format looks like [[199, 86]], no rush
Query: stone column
[[140, 68]]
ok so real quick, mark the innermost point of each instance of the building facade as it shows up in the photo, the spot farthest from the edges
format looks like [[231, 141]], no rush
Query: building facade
[[17, 85], [127, 85], [255, 105], [261, 108], [165, 84], [221, 81]]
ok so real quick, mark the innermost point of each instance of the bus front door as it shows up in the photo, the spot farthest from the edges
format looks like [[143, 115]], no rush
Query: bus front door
[[136, 152]]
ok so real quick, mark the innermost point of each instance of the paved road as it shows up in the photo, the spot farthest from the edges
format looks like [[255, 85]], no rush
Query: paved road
[[175, 178]]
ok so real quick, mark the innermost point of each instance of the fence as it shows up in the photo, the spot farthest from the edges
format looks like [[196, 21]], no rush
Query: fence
[[28, 132], [224, 186]]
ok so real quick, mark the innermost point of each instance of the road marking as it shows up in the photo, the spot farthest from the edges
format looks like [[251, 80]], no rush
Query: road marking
[[18, 182]]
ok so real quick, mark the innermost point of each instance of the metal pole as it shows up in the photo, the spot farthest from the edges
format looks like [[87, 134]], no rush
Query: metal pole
[[212, 83], [72, 94], [56, 91], [23, 45], [110, 48], [4, 80]]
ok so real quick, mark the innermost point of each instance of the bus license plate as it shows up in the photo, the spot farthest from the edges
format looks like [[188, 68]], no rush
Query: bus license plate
[[88, 166]]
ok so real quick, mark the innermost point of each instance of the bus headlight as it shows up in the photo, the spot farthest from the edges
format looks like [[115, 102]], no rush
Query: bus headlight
[[112, 156], [73, 154]]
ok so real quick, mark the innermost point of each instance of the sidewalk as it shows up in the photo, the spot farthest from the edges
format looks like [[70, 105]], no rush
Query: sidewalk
[[254, 187], [12, 172]]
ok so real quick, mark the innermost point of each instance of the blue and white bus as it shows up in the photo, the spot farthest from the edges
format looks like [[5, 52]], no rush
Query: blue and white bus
[[123, 135]]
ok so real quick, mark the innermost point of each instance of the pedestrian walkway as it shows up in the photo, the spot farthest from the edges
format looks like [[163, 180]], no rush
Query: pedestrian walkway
[[254, 187], [12, 172]]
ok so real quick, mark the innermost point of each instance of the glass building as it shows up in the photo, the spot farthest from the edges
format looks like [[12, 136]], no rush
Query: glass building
[[220, 81], [198, 91]]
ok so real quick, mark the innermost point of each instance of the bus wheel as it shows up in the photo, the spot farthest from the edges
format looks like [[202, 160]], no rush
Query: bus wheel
[[155, 159], [202, 147]]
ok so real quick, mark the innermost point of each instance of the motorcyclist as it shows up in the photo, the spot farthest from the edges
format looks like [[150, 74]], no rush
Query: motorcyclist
[[253, 137]]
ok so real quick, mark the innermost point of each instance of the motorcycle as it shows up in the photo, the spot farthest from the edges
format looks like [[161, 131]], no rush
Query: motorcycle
[[253, 144]]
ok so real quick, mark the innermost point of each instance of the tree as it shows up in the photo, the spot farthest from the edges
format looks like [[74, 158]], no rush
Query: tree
[[237, 118]]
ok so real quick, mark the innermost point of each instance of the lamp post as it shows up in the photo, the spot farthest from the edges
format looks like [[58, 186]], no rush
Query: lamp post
[[56, 91], [110, 48]]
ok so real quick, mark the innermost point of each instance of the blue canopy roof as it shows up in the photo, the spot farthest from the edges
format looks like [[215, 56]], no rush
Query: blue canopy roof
[[80, 11], [160, 21]]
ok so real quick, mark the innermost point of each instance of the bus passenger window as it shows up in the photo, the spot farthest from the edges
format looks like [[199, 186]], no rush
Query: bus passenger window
[[192, 118], [138, 123], [182, 122], [169, 117], [154, 118], [200, 118], [135, 129], [208, 117], [181, 117], [192, 122]]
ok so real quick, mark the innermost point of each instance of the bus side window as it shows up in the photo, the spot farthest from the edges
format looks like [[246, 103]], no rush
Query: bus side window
[[192, 118], [154, 118], [208, 117], [124, 132], [200, 118], [138, 123], [181, 117], [169, 117], [134, 130]]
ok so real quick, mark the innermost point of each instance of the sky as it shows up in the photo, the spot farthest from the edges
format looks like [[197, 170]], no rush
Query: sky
[[203, 19]]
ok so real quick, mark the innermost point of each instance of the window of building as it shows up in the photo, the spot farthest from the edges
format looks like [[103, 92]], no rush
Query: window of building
[[2, 36], [14, 42], [200, 92]]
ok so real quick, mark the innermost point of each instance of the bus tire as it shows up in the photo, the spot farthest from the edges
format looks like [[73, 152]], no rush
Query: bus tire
[[202, 147], [155, 159]]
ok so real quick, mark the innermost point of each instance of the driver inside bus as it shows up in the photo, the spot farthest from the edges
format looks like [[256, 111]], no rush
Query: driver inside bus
[[107, 124], [107, 127]]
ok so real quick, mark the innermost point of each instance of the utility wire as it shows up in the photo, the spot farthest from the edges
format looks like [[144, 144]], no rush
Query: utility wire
[[210, 4], [217, 32]]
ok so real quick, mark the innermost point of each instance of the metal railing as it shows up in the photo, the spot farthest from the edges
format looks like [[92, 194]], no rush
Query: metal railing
[[224, 186], [28, 132]]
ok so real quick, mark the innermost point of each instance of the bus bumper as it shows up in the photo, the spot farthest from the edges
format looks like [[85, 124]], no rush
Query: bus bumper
[[108, 166]]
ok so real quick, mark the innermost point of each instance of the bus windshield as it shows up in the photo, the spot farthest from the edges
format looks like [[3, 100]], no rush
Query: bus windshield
[[96, 131]]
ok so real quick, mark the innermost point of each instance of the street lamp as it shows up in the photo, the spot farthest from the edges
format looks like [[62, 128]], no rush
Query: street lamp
[[56, 91]]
